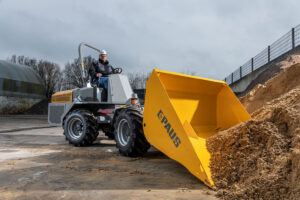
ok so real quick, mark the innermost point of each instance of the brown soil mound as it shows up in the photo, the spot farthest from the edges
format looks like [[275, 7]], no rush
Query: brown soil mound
[[260, 159], [289, 100], [273, 88], [273, 69]]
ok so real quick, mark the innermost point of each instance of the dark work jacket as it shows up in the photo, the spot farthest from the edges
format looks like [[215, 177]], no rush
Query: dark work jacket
[[100, 67]]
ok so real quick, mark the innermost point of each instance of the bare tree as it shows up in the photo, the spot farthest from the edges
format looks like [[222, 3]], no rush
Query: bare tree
[[138, 80], [49, 72], [13, 59], [50, 75], [73, 73], [22, 60]]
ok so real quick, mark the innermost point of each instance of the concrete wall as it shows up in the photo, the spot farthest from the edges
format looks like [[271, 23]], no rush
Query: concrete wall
[[20, 88], [241, 85], [15, 105]]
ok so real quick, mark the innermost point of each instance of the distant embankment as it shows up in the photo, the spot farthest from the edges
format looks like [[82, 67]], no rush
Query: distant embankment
[[263, 74], [262, 67]]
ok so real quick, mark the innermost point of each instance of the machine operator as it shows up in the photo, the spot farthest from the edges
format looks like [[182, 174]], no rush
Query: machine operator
[[100, 70]]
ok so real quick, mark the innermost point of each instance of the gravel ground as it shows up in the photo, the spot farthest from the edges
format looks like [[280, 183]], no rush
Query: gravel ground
[[21, 122], [40, 164]]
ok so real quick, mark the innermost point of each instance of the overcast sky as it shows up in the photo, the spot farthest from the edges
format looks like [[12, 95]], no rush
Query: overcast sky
[[209, 37]]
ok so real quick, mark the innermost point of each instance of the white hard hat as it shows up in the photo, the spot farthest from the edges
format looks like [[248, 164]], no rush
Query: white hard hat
[[103, 52]]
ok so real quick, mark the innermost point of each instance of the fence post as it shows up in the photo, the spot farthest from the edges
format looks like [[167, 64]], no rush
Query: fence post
[[293, 38], [252, 62], [240, 71], [231, 77], [269, 53]]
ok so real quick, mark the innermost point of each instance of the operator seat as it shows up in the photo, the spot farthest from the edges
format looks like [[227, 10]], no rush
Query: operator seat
[[102, 93]]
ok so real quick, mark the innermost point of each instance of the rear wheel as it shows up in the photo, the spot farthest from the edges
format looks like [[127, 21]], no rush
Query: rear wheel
[[81, 128], [129, 134]]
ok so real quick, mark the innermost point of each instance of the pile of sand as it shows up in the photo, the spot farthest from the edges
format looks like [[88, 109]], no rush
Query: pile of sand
[[273, 88], [273, 68], [260, 159]]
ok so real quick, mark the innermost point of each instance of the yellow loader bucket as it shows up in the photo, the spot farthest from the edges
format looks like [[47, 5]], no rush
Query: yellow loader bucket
[[182, 111]]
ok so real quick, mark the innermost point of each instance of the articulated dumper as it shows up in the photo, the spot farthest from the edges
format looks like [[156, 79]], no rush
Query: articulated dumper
[[179, 114]]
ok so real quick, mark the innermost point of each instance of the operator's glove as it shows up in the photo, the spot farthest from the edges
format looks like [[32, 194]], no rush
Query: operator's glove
[[118, 71]]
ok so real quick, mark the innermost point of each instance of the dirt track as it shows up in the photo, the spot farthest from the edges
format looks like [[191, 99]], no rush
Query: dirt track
[[39, 164]]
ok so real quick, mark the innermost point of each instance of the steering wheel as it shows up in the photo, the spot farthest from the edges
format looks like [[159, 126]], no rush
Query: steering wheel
[[119, 69]]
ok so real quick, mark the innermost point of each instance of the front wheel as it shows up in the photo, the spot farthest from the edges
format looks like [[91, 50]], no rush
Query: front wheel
[[129, 136], [80, 128]]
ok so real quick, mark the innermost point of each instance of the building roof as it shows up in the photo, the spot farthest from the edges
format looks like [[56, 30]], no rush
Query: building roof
[[18, 72]]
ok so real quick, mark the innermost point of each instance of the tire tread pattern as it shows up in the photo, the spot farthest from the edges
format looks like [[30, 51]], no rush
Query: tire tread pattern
[[138, 145], [91, 133]]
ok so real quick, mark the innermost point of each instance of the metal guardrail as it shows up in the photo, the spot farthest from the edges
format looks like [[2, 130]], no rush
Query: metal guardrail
[[287, 42]]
